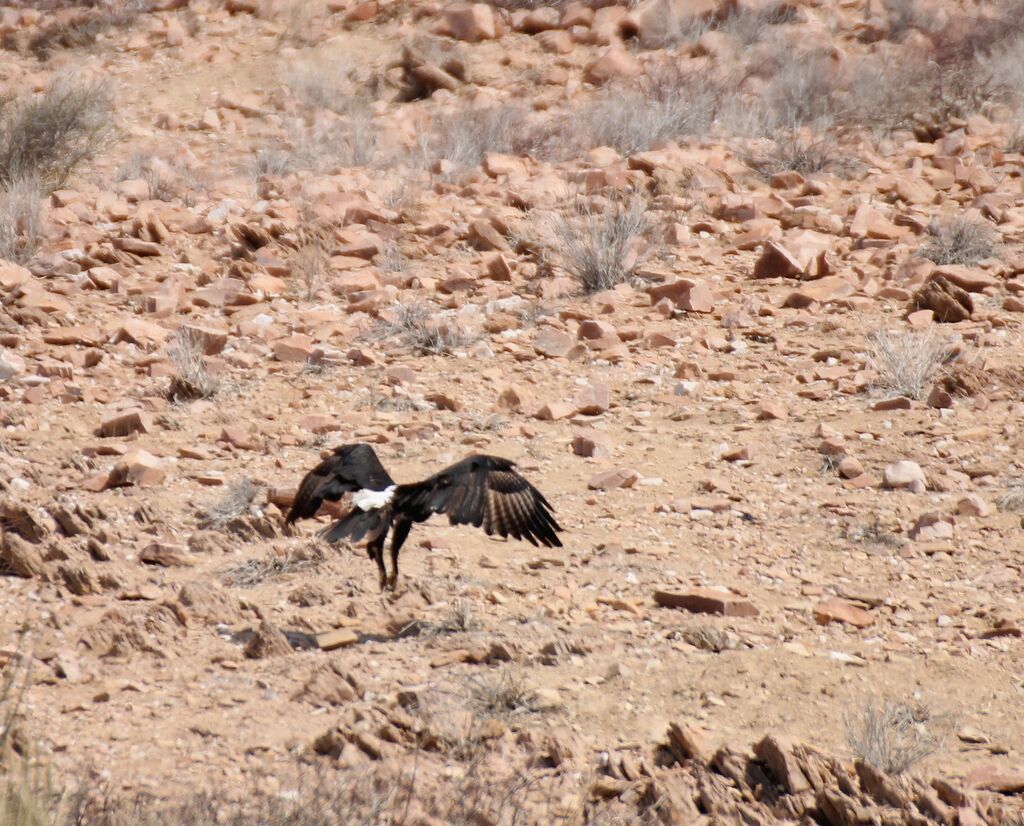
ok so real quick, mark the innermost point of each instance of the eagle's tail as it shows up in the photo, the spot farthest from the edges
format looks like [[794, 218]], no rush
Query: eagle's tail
[[357, 524]]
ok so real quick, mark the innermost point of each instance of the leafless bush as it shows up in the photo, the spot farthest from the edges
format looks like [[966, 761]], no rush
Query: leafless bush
[[49, 136], [501, 695], [907, 362], [235, 502], [310, 259], [20, 203], [1015, 140], [894, 735], [873, 533], [1013, 498], [1003, 66], [325, 84], [319, 797], [961, 241], [416, 325], [458, 620], [348, 140], [597, 246], [794, 153], [191, 379], [82, 30], [271, 567], [271, 163], [301, 23], [666, 106], [463, 138], [165, 180], [390, 258], [747, 25]]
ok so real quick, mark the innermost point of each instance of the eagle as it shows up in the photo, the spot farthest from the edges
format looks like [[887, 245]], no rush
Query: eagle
[[481, 490]]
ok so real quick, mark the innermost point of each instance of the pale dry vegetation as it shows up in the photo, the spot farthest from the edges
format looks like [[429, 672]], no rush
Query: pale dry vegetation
[[894, 735], [192, 379], [236, 501], [270, 567], [48, 136], [961, 241], [667, 106], [43, 140], [598, 245], [417, 326], [906, 363], [19, 220]]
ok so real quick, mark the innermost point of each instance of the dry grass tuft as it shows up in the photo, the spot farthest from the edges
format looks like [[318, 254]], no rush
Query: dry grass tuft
[[598, 245], [963, 241], [81, 31], [271, 567], [236, 502], [191, 379], [458, 621], [501, 695], [417, 326], [907, 362], [47, 137], [794, 153], [873, 533], [20, 203], [463, 138], [894, 735], [666, 106]]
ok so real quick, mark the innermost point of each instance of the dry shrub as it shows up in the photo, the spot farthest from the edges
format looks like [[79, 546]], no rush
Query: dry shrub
[[894, 735], [504, 694], [330, 141], [961, 241], [598, 245], [464, 137], [907, 362], [310, 258], [270, 567], [20, 203], [48, 136], [235, 502], [191, 379], [795, 153], [747, 25], [667, 105], [418, 327], [325, 84], [81, 30]]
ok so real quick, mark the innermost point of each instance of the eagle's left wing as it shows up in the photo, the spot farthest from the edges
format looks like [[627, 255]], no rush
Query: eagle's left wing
[[485, 491]]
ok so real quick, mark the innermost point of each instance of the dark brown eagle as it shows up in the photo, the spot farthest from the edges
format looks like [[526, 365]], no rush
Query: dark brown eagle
[[480, 490]]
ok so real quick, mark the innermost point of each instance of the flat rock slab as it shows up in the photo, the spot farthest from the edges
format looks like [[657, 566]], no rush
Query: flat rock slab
[[708, 601], [339, 638]]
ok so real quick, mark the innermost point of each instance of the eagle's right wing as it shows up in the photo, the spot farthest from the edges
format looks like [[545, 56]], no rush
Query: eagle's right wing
[[349, 469]]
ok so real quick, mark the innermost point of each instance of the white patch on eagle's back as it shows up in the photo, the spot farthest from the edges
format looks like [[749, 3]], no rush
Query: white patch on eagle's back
[[369, 500]]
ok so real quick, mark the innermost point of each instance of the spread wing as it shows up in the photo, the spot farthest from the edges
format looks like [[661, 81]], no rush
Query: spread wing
[[349, 469], [485, 491]]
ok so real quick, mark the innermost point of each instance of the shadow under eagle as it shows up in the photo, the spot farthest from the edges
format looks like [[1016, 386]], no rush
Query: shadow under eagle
[[485, 491]]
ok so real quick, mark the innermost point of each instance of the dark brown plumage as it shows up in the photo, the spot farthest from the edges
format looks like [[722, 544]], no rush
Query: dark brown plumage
[[484, 491]]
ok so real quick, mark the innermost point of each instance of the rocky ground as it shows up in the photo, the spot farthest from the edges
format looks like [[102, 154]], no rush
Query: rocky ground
[[737, 285]]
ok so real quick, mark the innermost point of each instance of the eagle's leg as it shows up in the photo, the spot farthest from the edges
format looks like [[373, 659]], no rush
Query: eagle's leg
[[397, 539], [376, 549]]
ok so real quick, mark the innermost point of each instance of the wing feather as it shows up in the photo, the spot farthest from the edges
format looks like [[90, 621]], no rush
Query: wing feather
[[487, 492], [348, 469]]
